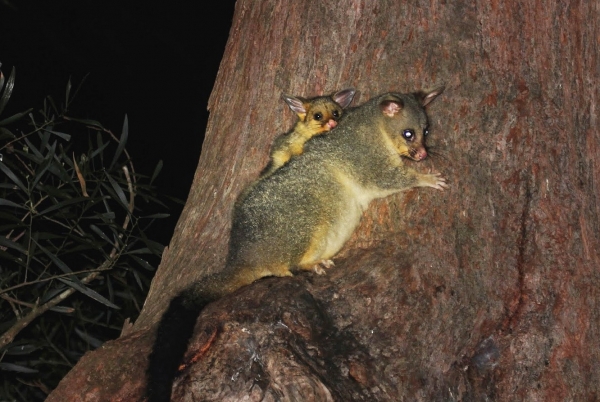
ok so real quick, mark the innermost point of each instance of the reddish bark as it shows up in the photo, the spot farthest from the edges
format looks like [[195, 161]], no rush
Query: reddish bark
[[489, 290]]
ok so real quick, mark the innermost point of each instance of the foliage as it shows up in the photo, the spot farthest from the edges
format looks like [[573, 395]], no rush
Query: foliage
[[75, 261]]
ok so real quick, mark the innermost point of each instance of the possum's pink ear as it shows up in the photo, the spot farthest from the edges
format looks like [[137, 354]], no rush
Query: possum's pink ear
[[391, 107], [295, 103], [344, 97]]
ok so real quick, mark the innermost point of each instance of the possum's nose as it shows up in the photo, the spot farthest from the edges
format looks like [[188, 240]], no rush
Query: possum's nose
[[420, 154], [331, 124]]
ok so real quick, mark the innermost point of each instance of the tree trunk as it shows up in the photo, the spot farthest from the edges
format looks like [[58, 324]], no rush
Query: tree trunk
[[488, 291]]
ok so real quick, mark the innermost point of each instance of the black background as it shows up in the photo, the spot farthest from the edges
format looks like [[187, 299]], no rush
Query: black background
[[154, 61]]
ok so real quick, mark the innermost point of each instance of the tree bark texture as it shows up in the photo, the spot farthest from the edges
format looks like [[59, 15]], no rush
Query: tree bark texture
[[488, 291]]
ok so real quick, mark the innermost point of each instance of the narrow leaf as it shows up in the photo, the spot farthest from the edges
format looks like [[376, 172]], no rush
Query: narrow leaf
[[17, 368], [100, 233], [5, 202], [138, 280], [64, 136], [31, 148], [7, 89], [99, 150], [68, 91], [14, 117], [57, 261], [122, 142], [144, 250], [6, 134], [45, 136], [44, 167], [89, 292], [157, 170], [94, 342], [156, 216], [143, 263], [63, 309], [63, 204], [4, 242], [118, 190], [19, 350], [87, 122], [13, 177]]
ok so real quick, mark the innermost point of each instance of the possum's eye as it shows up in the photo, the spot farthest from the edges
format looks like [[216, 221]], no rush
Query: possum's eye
[[425, 132], [336, 114], [409, 135], [318, 116]]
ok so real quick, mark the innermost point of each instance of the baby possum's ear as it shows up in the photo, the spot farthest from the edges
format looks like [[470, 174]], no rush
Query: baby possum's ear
[[344, 97], [295, 103]]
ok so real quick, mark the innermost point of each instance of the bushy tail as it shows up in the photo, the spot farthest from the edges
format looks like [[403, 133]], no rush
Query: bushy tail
[[172, 336]]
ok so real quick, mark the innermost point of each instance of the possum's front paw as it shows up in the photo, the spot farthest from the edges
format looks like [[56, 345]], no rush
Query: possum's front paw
[[434, 180]]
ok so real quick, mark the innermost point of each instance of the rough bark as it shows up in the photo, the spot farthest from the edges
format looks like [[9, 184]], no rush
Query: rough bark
[[488, 291]]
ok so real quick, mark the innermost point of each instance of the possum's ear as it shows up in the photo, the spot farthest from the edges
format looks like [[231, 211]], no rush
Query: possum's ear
[[391, 106], [295, 103], [425, 98], [344, 97]]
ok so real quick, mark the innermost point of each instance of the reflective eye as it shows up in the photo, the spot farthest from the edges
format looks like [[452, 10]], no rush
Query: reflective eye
[[336, 114], [318, 116], [409, 135], [426, 132]]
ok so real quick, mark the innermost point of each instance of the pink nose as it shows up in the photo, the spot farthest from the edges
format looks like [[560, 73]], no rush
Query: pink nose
[[331, 123], [421, 154]]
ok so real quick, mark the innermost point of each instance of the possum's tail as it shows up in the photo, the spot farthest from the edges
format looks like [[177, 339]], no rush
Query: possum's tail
[[172, 336], [176, 326]]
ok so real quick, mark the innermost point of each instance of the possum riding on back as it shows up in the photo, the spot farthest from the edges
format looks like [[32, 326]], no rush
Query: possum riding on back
[[315, 116], [303, 212]]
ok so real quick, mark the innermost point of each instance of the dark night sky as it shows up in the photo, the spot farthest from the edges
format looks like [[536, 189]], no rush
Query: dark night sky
[[154, 61]]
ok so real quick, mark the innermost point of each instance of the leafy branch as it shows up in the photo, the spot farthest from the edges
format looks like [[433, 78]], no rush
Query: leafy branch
[[68, 192]]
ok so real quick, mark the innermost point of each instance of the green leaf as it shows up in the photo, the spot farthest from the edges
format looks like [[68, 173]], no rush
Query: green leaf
[[143, 263], [6, 134], [66, 137], [87, 122], [7, 89], [100, 233], [138, 280], [20, 350], [156, 216], [30, 152], [157, 170], [7, 203], [51, 101], [99, 150], [17, 368], [14, 118], [45, 136], [122, 142], [118, 191], [94, 342], [68, 91], [63, 204], [57, 261], [11, 244], [13, 177], [63, 310], [89, 292], [59, 171], [144, 250], [44, 166]]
